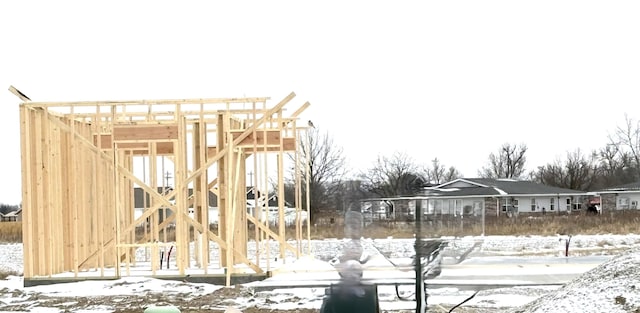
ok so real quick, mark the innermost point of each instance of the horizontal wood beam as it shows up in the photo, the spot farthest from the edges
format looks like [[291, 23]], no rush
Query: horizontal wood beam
[[145, 132], [149, 102], [288, 145], [273, 138], [138, 148]]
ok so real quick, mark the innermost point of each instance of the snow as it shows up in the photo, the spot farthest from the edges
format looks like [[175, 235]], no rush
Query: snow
[[611, 287], [599, 275]]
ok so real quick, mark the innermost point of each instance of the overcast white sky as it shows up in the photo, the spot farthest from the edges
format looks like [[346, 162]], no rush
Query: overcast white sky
[[447, 79]]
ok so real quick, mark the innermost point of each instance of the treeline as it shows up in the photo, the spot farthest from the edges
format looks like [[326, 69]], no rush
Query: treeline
[[398, 174]]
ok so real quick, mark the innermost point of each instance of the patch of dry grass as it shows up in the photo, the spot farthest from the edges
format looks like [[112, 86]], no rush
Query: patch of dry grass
[[620, 222], [10, 231], [4, 274], [616, 222]]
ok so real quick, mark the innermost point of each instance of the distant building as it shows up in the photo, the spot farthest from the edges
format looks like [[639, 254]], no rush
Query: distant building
[[473, 196], [13, 216]]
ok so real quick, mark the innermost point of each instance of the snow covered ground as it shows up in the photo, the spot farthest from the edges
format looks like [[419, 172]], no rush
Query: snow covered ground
[[601, 276]]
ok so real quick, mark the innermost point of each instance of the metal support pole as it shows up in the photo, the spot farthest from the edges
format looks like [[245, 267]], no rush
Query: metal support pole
[[420, 287], [483, 217]]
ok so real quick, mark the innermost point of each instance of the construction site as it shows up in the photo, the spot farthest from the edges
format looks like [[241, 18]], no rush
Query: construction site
[[82, 161]]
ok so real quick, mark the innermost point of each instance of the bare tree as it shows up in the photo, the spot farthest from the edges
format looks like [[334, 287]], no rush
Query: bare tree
[[610, 160], [579, 172], [552, 174], [582, 170], [616, 167], [326, 163], [348, 194], [437, 173], [508, 163], [626, 138], [393, 176]]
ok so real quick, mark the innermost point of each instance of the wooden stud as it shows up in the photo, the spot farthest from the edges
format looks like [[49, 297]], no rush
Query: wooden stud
[[39, 207], [26, 149], [281, 222]]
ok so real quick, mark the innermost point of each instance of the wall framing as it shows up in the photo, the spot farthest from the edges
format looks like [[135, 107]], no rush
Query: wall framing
[[79, 172]]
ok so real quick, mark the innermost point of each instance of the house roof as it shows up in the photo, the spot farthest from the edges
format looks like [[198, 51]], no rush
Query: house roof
[[251, 194], [490, 187], [626, 187], [13, 213], [461, 192], [272, 202]]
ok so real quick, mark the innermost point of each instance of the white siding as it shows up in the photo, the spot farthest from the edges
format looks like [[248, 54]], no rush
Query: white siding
[[560, 204], [462, 206], [628, 201]]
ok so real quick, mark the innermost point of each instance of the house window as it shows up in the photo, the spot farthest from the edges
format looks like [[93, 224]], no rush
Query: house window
[[504, 204], [437, 206], [623, 203], [447, 207], [552, 204], [457, 207], [509, 203], [477, 208], [533, 204], [568, 204]]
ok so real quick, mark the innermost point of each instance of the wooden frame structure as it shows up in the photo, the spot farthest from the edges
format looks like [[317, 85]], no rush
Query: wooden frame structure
[[79, 171]]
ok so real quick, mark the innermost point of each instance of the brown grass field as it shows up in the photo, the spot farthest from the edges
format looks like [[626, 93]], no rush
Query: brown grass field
[[577, 223]]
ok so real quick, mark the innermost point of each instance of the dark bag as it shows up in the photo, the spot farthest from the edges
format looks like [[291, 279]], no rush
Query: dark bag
[[356, 298]]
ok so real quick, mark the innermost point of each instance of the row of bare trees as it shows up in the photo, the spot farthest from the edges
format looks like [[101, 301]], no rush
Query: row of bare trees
[[398, 174], [6, 208], [615, 164]]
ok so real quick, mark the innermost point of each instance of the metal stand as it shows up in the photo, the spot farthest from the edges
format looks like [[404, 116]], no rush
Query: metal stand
[[420, 286]]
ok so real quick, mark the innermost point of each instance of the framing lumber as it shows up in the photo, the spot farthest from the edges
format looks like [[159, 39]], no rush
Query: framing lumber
[[79, 171]]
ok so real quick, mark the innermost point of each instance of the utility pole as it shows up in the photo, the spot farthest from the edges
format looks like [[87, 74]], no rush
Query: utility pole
[[250, 178], [167, 176]]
